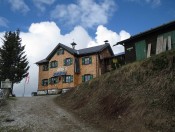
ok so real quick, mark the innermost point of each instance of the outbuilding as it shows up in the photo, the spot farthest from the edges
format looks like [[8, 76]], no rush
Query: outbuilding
[[150, 42]]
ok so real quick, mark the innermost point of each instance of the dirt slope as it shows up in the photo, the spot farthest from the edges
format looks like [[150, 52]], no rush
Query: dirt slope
[[138, 97], [38, 114]]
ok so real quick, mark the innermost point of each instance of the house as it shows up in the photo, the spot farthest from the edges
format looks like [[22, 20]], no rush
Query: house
[[148, 43], [66, 67]]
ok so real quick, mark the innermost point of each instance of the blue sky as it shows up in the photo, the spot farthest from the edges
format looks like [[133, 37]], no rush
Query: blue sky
[[45, 23], [133, 16]]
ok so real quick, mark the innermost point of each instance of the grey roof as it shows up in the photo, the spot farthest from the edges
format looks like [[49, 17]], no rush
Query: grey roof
[[152, 30], [42, 61], [92, 50], [81, 52]]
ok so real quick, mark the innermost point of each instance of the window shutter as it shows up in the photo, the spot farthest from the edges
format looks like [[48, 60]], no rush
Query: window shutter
[[50, 64], [64, 62], [83, 79], [71, 60], [43, 67], [91, 77], [62, 51], [56, 80], [90, 60], [42, 83], [71, 78], [83, 60], [49, 80], [63, 79], [56, 64]]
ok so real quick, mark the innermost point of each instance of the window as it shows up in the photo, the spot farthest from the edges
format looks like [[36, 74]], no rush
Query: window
[[87, 77], [45, 67], [60, 51], [53, 80], [67, 79], [44, 82], [53, 64], [68, 61], [86, 60]]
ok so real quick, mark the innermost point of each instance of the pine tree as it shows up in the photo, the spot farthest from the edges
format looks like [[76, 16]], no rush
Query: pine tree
[[14, 64]]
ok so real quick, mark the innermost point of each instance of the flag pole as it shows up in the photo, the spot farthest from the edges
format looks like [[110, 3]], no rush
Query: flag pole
[[26, 81], [24, 88]]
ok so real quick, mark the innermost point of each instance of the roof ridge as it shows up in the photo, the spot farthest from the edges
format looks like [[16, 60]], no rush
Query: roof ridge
[[93, 47]]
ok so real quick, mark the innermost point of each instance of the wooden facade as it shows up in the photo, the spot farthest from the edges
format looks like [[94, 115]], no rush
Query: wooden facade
[[111, 63], [148, 43], [65, 68]]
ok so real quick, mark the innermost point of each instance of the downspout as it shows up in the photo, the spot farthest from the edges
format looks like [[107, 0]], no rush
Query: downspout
[[97, 64]]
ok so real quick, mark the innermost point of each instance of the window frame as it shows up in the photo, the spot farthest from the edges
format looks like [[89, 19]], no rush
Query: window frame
[[85, 62], [68, 63], [68, 79], [89, 76], [45, 67], [60, 51], [44, 82], [53, 80], [55, 64]]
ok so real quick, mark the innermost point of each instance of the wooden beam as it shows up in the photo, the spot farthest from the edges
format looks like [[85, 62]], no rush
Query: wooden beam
[[169, 42], [149, 50]]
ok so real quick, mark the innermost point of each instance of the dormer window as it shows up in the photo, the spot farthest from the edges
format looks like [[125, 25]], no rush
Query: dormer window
[[60, 51]]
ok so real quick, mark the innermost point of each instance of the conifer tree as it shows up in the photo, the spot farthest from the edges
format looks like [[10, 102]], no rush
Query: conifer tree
[[14, 63]]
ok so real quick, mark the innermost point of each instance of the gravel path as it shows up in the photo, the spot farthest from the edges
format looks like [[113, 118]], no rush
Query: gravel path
[[39, 114]]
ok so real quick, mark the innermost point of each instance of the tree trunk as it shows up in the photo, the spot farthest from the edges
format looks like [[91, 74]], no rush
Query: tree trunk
[[11, 90]]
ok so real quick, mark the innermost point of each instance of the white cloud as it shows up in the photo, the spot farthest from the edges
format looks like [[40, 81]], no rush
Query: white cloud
[[103, 34], [3, 22], [153, 3], [41, 39], [86, 13], [19, 5], [40, 4]]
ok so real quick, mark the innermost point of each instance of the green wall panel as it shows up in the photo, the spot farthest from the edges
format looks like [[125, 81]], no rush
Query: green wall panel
[[140, 50]]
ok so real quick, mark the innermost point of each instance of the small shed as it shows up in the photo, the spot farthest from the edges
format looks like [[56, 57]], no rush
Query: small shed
[[150, 42], [113, 62]]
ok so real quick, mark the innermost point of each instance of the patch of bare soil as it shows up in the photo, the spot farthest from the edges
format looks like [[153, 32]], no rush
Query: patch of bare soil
[[39, 114]]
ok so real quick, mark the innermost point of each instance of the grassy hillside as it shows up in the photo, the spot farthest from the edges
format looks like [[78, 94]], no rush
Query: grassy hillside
[[137, 97]]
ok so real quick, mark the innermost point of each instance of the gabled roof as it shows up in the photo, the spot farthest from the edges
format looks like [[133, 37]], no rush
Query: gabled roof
[[68, 49], [95, 49], [81, 52], [152, 30]]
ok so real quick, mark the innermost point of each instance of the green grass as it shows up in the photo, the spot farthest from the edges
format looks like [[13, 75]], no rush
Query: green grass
[[137, 97]]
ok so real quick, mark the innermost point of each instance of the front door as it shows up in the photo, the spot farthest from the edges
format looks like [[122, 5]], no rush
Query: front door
[[140, 50]]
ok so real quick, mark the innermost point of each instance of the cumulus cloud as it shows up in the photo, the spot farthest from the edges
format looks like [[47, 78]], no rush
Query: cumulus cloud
[[3, 22], [153, 3], [40, 4], [103, 34], [41, 39], [87, 13], [19, 5]]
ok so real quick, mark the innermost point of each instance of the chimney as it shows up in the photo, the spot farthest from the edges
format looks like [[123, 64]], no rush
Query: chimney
[[106, 42], [73, 45]]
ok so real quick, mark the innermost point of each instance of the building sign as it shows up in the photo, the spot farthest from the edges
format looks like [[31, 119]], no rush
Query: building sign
[[60, 71]]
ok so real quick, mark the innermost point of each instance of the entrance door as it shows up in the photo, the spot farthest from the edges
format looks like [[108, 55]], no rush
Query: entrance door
[[140, 50]]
